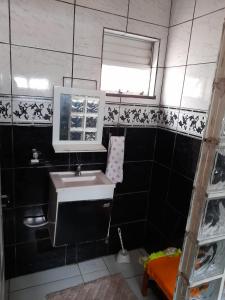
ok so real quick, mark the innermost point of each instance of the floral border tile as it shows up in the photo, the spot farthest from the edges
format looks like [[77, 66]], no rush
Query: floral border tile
[[30, 110], [111, 116], [133, 115], [168, 117], [39, 111], [153, 116], [192, 122], [5, 110]]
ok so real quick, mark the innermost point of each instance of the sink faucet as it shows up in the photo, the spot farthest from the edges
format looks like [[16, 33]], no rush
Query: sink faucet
[[78, 171]]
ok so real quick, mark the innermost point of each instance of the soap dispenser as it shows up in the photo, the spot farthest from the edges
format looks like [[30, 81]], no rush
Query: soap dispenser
[[35, 159]]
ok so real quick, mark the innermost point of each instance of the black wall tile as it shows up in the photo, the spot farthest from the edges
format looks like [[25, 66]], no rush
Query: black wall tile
[[108, 131], [7, 186], [31, 186], [134, 236], [39, 138], [136, 177], [155, 240], [186, 155], [86, 251], [9, 226], [10, 267], [129, 207], [174, 226], [180, 191], [71, 255], [139, 144], [164, 147], [38, 256], [6, 147]]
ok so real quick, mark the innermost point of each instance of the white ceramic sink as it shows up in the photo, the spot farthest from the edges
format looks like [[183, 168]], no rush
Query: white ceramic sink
[[78, 178], [91, 185]]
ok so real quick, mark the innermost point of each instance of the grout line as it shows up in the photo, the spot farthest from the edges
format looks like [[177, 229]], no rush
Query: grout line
[[73, 44], [81, 274], [187, 65], [51, 50], [122, 16], [42, 284], [199, 17], [65, 2], [128, 10]]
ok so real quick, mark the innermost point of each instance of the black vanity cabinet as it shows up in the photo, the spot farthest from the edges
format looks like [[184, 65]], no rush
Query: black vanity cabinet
[[82, 221], [79, 207]]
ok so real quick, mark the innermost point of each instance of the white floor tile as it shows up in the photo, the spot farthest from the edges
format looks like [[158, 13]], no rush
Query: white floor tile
[[132, 269], [40, 292], [95, 275], [43, 277], [92, 265]]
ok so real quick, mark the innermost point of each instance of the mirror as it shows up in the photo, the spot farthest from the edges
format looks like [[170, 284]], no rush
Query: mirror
[[78, 120]]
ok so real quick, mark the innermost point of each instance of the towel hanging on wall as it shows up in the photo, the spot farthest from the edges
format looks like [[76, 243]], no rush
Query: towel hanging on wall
[[114, 169]]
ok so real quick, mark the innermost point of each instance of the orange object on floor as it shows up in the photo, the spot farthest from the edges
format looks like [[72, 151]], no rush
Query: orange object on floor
[[164, 271]]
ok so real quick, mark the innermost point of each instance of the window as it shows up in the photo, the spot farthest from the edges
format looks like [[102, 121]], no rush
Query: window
[[129, 64]]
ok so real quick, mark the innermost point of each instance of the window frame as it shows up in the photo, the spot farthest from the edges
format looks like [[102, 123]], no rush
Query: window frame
[[155, 59]]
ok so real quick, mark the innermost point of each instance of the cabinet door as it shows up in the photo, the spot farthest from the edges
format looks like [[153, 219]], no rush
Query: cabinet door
[[82, 221]]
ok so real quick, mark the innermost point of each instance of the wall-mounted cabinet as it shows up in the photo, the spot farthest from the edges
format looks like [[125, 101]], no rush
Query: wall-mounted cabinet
[[78, 120]]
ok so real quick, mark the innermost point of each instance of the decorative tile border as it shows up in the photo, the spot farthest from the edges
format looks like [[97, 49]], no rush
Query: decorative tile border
[[36, 110], [5, 110], [192, 122], [168, 118], [132, 115], [111, 114], [31, 110]]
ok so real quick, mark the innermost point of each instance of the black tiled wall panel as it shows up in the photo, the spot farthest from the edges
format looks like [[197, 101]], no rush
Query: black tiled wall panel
[[29, 249]]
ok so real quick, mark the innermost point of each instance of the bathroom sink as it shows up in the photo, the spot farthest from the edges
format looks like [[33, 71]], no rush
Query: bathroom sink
[[90, 185], [78, 178]]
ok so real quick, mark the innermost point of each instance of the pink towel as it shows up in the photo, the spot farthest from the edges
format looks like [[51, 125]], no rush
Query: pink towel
[[114, 170]]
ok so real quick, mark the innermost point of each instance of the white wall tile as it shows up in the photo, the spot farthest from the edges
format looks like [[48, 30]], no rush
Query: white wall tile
[[87, 68], [153, 11], [158, 85], [205, 39], [36, 71], [89, 30], [119, 7], [182, 10], [4, 21], [84, 84], [69, 1], [198, 86], [4, 69], [207, 6], [172, 86], [45, 24], [177, 51], [153, 31]]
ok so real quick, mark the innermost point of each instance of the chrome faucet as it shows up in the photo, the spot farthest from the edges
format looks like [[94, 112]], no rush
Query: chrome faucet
[[78, 171]]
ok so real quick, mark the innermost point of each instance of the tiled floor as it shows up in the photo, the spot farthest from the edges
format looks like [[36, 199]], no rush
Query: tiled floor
[[38, 285]]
